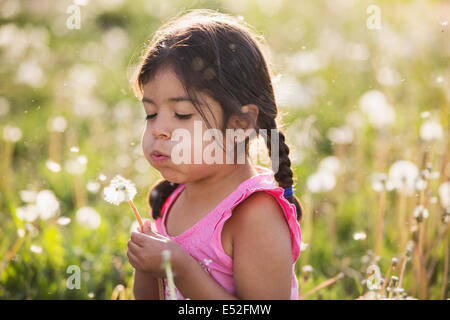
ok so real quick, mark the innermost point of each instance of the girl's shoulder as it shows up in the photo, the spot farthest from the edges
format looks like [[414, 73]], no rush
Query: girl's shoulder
[[260, 208]]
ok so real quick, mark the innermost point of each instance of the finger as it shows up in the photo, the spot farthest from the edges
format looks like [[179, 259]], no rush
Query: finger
[[133, 239], [139, 238], [147, 223], [149, 226], [146, 228], [135, 248], [133, 259]]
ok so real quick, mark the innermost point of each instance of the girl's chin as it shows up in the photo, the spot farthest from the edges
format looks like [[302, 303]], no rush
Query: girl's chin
[[174, 176]]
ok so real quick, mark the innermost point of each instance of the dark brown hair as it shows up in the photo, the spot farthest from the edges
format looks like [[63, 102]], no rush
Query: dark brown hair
[[220, 55]]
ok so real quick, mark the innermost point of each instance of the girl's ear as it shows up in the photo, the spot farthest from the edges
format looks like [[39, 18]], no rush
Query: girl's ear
[[247, 122]]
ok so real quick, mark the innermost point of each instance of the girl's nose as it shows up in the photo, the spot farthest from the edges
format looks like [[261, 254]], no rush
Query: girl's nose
[[160, 129]]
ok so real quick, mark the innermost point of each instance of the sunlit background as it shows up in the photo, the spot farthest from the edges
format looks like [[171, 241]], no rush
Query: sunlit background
[[363, 88]]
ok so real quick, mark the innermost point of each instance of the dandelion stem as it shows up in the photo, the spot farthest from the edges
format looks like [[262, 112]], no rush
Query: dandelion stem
[[446, 258], [10, 254], [401, 218], [136, 213], [324, 284], [386, 278], [169, 274], [379, 231]]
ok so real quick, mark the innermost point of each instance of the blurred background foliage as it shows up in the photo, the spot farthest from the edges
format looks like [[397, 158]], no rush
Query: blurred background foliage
[[366, 111]]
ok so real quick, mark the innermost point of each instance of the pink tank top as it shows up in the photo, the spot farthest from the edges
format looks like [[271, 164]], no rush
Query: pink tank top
[[203, 240]]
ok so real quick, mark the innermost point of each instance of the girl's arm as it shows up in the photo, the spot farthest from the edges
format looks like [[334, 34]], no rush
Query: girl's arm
[[262, 256], [196, 284], [145, 286]]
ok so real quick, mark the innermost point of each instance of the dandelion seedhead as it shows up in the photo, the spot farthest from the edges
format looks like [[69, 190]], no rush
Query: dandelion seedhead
[[119, 190], [409, 249], [420, 213]]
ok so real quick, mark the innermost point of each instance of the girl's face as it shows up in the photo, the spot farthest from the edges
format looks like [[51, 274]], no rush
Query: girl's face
[[168, 108]]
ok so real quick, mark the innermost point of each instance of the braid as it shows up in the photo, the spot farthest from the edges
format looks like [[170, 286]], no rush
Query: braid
[[284, 174], [158, 195]]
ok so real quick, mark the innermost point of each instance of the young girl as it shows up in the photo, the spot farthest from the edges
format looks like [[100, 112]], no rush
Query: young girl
[[233, 233]]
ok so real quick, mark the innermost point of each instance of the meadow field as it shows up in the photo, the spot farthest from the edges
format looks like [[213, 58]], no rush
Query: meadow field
[[363, 89]]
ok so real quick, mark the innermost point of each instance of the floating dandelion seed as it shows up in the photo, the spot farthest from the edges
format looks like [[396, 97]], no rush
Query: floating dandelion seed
[[53, 166], [303, 245], [36, 249], [63, 221], [359, 236]]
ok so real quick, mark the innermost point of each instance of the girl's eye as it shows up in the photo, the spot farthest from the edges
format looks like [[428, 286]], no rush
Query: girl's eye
[[183, 116], [179, 116]]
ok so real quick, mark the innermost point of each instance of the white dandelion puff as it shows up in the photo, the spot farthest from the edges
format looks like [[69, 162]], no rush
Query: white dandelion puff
[[12, 133], [431, 130], [341, 135], [119, 190], [47, 204], [321, 181], [444, 194], [403, 175], [57, 124], [307, 269], [21, 233], [88, 217], [379, 182], [93, 186], [28, 196], [29, 213], [420, 213], [374, 104], [331, 164]]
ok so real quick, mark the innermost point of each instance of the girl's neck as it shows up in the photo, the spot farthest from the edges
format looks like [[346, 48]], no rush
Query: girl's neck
[[218, 185]]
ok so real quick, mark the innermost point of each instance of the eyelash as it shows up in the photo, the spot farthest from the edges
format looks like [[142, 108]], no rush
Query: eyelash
[[179, 116]]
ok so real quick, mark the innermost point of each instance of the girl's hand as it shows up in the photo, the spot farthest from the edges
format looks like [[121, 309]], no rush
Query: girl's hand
[[145, 251]]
